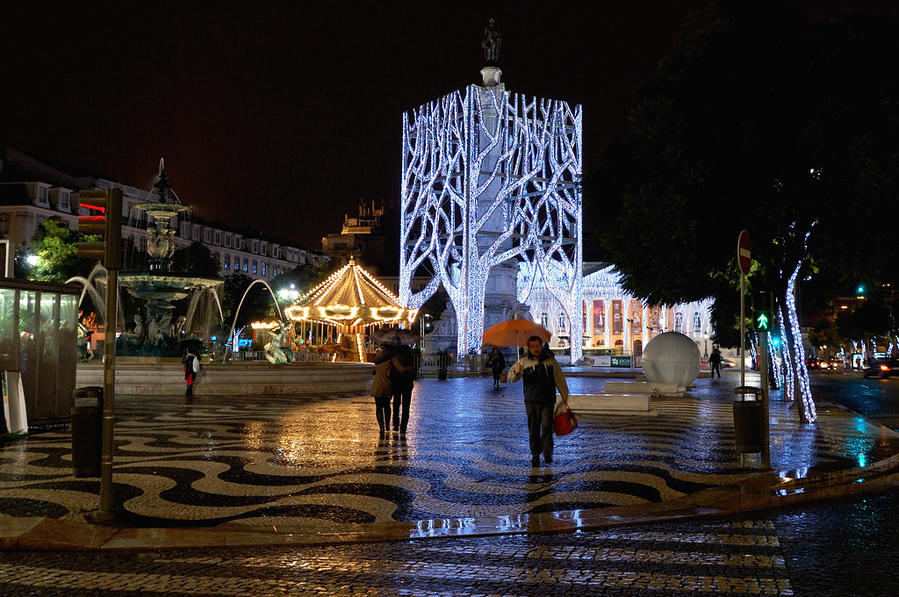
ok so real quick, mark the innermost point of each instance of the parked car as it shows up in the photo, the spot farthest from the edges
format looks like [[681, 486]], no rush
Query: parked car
[[884, 368]]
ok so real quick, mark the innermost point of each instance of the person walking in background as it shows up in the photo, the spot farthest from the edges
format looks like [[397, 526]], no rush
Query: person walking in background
[[542, 377], [382, 387], [402, 377], [191, 368], [715, 361], [497, 362]]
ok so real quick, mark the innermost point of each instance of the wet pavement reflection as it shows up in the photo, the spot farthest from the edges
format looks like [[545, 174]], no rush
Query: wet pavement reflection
[[319, 462]]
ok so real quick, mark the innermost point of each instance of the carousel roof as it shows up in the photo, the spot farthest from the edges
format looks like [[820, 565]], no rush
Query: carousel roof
[[350, 296]]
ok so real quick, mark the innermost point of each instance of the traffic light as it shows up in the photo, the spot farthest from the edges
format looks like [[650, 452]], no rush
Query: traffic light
[[762, 304], [761, 321], [105, 221]]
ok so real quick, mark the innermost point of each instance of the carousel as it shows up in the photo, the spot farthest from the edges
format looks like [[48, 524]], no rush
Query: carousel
[[338, 315]]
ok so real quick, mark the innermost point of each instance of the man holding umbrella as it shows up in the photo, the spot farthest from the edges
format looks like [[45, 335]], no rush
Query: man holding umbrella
[[542, 377]]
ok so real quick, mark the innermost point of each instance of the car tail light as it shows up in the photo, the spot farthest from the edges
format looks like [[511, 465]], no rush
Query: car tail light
[[884, 368]]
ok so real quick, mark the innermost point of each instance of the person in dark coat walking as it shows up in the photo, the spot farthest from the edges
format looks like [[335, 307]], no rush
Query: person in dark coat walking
[[542, 377], [715, 361], [402, 378], [191, 368], [497, 362], [382, 386]]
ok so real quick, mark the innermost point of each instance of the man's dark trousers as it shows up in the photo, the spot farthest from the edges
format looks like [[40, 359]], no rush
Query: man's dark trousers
[[540, 427]]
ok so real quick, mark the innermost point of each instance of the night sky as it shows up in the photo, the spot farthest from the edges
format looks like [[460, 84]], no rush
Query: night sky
[[281, 118]]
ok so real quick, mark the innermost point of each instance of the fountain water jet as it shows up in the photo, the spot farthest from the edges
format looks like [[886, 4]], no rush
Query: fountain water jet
[[240, 304]]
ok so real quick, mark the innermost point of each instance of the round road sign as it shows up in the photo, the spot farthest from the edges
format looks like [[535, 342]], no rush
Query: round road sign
[[744, 252]]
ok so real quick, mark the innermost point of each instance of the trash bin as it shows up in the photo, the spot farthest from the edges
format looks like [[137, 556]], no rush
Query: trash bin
[[749, 419], [87, 417]]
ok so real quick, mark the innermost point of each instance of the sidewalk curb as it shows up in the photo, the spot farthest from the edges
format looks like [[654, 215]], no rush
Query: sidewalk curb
[[764, 491]]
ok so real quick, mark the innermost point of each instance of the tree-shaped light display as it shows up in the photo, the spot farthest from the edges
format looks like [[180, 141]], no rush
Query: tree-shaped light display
[[490, 177]]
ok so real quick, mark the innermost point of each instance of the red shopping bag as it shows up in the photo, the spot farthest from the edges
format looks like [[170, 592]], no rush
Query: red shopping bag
[[565, 422]]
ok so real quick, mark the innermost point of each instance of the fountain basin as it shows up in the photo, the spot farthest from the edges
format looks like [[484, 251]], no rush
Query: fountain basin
[[166, 378], [164, 287]]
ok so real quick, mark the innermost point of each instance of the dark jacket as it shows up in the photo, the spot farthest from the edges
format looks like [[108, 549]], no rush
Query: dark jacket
[[541, 379], [191, 365], [382, 387], [497, 362], [402, 376]]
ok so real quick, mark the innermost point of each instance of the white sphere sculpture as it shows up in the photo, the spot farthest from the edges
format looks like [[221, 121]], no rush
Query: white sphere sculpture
[[671, 358]]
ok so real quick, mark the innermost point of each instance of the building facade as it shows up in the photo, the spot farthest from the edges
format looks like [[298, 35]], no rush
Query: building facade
[[32, 191], [361, 237], [613, 321]]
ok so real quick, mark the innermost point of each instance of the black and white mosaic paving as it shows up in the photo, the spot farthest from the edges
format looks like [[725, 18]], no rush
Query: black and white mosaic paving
[[320, 462]]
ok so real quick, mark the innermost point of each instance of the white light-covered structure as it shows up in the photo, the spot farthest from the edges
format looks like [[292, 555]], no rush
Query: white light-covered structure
[[491, 180], [671, 357]]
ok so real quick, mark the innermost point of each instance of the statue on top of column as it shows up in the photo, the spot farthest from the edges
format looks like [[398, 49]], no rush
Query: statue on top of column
[[491, 42]]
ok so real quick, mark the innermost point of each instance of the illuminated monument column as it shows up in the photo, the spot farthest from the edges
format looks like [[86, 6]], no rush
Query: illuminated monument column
[[491, 179]]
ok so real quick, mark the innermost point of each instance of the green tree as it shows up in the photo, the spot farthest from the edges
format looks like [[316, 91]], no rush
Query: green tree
[[55, 247], [760, 119]]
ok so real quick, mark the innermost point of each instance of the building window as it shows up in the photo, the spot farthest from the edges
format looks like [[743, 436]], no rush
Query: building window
[[236, 263], [254, 266], [562, 321], [679, 323], [255, 246], [42, 196], [207, 236], [185, 227], [263, 248], [697, 323], [246, 265], [263, 268], [228, 240], [64, 200], [544, 320], [227, 262], [196, 233], [4, 223], [218, 237]]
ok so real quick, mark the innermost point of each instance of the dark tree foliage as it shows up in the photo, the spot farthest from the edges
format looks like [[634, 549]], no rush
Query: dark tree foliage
[[196, 258], [258, 304], [760, 119], [303, 277], [872, 318]]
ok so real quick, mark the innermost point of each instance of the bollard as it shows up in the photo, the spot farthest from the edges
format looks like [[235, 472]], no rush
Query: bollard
[[87, 431]]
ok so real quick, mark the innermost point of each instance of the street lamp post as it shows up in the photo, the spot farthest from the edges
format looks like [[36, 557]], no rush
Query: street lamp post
[[421, 330]]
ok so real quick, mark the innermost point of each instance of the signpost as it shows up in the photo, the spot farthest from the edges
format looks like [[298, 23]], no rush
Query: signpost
[[744, 260], [763, 303], [107, 225]]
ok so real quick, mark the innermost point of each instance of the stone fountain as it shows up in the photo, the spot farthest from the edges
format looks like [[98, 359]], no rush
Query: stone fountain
[[157, 333]]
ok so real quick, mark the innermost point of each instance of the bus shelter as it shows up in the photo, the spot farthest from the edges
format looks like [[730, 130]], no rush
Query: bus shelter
[[38, 346]]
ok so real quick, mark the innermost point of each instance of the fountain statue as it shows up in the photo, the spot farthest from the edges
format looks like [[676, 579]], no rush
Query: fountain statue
[[156, 334], [275, 350]]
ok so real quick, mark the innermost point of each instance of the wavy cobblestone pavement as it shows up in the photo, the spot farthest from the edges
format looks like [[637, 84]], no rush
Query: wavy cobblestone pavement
[[319, 463], [833, 549]]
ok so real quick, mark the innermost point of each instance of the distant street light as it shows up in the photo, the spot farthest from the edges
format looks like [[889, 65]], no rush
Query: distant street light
[[32, 260]]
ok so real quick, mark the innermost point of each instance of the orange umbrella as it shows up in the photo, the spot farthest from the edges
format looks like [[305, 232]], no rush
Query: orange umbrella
[[515, 332]]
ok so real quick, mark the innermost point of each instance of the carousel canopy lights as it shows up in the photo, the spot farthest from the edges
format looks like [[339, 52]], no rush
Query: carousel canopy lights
[[350, 296]]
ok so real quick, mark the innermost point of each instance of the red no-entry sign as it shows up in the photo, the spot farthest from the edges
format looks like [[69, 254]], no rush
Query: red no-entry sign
[[744, 252]]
